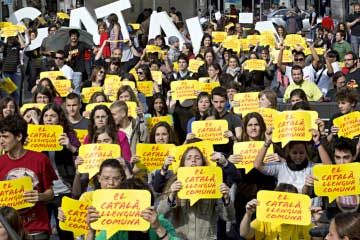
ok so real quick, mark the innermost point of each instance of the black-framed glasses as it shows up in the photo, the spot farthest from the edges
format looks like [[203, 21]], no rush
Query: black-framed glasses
[[299, 59]]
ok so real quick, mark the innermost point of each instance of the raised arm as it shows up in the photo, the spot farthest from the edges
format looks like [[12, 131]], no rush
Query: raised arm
[[280, 57], [259, 160]]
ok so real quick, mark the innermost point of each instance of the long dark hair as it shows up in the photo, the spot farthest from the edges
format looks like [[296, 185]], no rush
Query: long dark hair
[[110, 120], [196, 107], [61, 114], [164, 110], [4, 102], [14, 220], [260, 120], [172, 136]]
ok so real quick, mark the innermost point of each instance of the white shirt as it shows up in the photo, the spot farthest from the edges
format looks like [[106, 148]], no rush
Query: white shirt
[[284, 174], [325, 82], [308, 71], [67, 71]]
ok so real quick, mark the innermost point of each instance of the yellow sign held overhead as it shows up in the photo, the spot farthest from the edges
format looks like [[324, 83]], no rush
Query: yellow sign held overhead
[[151, 122], [219, 37], [63, 86], [88, 92], [292, 126], [194, 65], [337, 180], [255, 65], [52, 75], [248, 151], [157, 76], [25, 106], [62, 15], [199, 183], [8, 85]]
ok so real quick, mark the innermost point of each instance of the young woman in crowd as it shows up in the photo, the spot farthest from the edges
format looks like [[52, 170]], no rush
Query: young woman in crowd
[[62, 161], [101, 116], [8, 106], [97, 77], [201, 109], [197, 221], [14, 221]]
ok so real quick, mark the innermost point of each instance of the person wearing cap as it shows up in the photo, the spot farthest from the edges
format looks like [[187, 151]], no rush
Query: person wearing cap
[[174, 51]]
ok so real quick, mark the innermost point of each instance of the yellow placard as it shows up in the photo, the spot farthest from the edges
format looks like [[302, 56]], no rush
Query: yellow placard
[[76, 213], [89, 107], [94, 154], [8, 32], [152, 49], [41, 20], [5, 24], [267, 39], [128, 83], [199, 183], [81, 134], [292, 126], [183, 89], [232, 43], [176, 66], [287, 56], [112, 83], [219, 37], [120, 210], [255, 64], [207, 87], [152, 156], [268, 115], [337, 180], [206, 148], [52, 75], [135, 26], [244, 44], [254, 39], [194, 65], [87, 92], [314, 115], [212, 130], [294, 40], [249, 151], [283, 208], [32, 105], [44, 138], [131, 109], [150, 122], [319, 51], [204, 79], [230, 25], [146, 87], [62, 15], [63, 86], [157, 76], [133, 72], [11, 192], [248, 102], [8, 85], [348, 125]]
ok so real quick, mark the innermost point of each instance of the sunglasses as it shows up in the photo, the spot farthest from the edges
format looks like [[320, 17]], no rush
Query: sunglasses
[[61, 58], [140, 72], [299, 59]]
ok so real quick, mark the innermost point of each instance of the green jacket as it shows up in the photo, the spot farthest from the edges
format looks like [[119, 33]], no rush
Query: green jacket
[[123, 235]]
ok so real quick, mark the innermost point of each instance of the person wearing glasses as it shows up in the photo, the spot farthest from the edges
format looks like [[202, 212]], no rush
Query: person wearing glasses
[[299, 59], [353, 76], [60, 64]]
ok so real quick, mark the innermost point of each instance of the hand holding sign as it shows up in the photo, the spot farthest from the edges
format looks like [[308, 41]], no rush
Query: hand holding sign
[[120, 210], [283, 208], [337, 180], [200, 182], [12, 191], [75, 216], [94, 154]]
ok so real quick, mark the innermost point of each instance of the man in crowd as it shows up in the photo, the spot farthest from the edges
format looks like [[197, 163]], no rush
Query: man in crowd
[[73, 106], [18, 162]]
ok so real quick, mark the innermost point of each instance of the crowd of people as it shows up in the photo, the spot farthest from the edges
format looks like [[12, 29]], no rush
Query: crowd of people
[[330, 76]]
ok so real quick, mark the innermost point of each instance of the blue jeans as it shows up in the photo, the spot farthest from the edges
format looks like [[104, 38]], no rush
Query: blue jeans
[[16, 78], [355, 41]]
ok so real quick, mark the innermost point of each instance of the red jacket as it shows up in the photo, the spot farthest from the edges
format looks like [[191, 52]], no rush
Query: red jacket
[[328, 23]]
